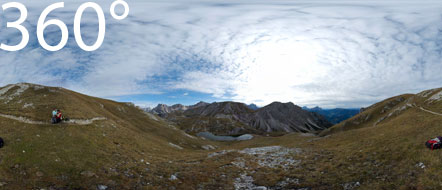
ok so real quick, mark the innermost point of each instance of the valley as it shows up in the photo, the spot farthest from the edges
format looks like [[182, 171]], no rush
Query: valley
[[114, 145]]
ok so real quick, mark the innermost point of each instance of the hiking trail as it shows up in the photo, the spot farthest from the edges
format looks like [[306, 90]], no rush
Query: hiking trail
[[71, 121], [432, 112]]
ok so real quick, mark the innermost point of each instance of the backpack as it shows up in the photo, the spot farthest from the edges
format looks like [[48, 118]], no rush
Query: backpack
[[435, 143], [1, 142]]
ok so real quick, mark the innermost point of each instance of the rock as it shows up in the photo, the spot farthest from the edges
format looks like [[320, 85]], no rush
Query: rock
[[351, 185], [101, 187], [208, 147], [175, 146], [260, 188], [246, 182], [420, 165], [173, 178], [39, 174]]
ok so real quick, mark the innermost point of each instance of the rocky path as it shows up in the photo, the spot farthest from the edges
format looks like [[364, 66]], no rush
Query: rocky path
[[72, 121]]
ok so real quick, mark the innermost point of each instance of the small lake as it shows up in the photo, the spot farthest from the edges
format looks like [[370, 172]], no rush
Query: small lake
[[210, 136]]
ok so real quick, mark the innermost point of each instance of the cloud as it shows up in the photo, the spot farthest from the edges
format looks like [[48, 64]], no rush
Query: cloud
[[328, 53]]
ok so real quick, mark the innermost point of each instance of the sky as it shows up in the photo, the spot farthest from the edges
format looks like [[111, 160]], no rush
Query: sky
[[331, 54]]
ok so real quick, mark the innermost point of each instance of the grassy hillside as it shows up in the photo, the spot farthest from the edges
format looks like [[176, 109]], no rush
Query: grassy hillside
[[383, 111], [81, 156], [132, 150]]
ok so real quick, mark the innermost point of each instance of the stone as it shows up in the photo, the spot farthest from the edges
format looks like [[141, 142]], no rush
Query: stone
[[173, 178], [260, 188], [101, 187]]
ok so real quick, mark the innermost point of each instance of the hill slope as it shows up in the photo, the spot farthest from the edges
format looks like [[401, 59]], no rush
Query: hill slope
[[104, 140], [429, 101]]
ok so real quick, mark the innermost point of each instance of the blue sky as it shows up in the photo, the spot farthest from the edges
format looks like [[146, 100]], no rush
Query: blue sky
[[327, 53]]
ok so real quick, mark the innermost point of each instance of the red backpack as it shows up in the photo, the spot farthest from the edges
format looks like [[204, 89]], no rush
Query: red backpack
[[435, 143]]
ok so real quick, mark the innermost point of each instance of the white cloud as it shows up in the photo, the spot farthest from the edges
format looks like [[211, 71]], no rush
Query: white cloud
[[328, 53]]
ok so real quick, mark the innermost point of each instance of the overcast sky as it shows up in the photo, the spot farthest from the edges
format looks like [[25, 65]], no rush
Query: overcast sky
[[325, 53]]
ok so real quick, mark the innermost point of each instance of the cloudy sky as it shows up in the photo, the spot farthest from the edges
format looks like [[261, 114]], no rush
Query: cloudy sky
[[325, 53]]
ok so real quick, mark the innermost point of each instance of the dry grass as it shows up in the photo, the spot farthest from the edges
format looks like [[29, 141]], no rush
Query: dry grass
[[109, 152]]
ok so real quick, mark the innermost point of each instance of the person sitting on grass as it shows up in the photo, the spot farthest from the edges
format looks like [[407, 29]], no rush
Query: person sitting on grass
[[57, 117]]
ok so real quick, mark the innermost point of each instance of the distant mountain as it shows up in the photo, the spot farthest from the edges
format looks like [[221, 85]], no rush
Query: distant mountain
[[288, 117], [253, 106], [233, 118], [336, 115], [163, 110], [221, 118]]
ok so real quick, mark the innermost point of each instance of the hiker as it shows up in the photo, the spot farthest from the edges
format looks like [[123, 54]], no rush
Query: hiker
[[57, 117], [54, 115], [1, 142]]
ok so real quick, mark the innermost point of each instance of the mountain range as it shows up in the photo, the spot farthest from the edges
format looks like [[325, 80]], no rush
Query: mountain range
[[335, 115], [233, 118]]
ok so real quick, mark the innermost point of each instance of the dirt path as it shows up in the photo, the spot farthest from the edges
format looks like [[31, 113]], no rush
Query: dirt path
[[23, 119], [71, 121], [432, 112]]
